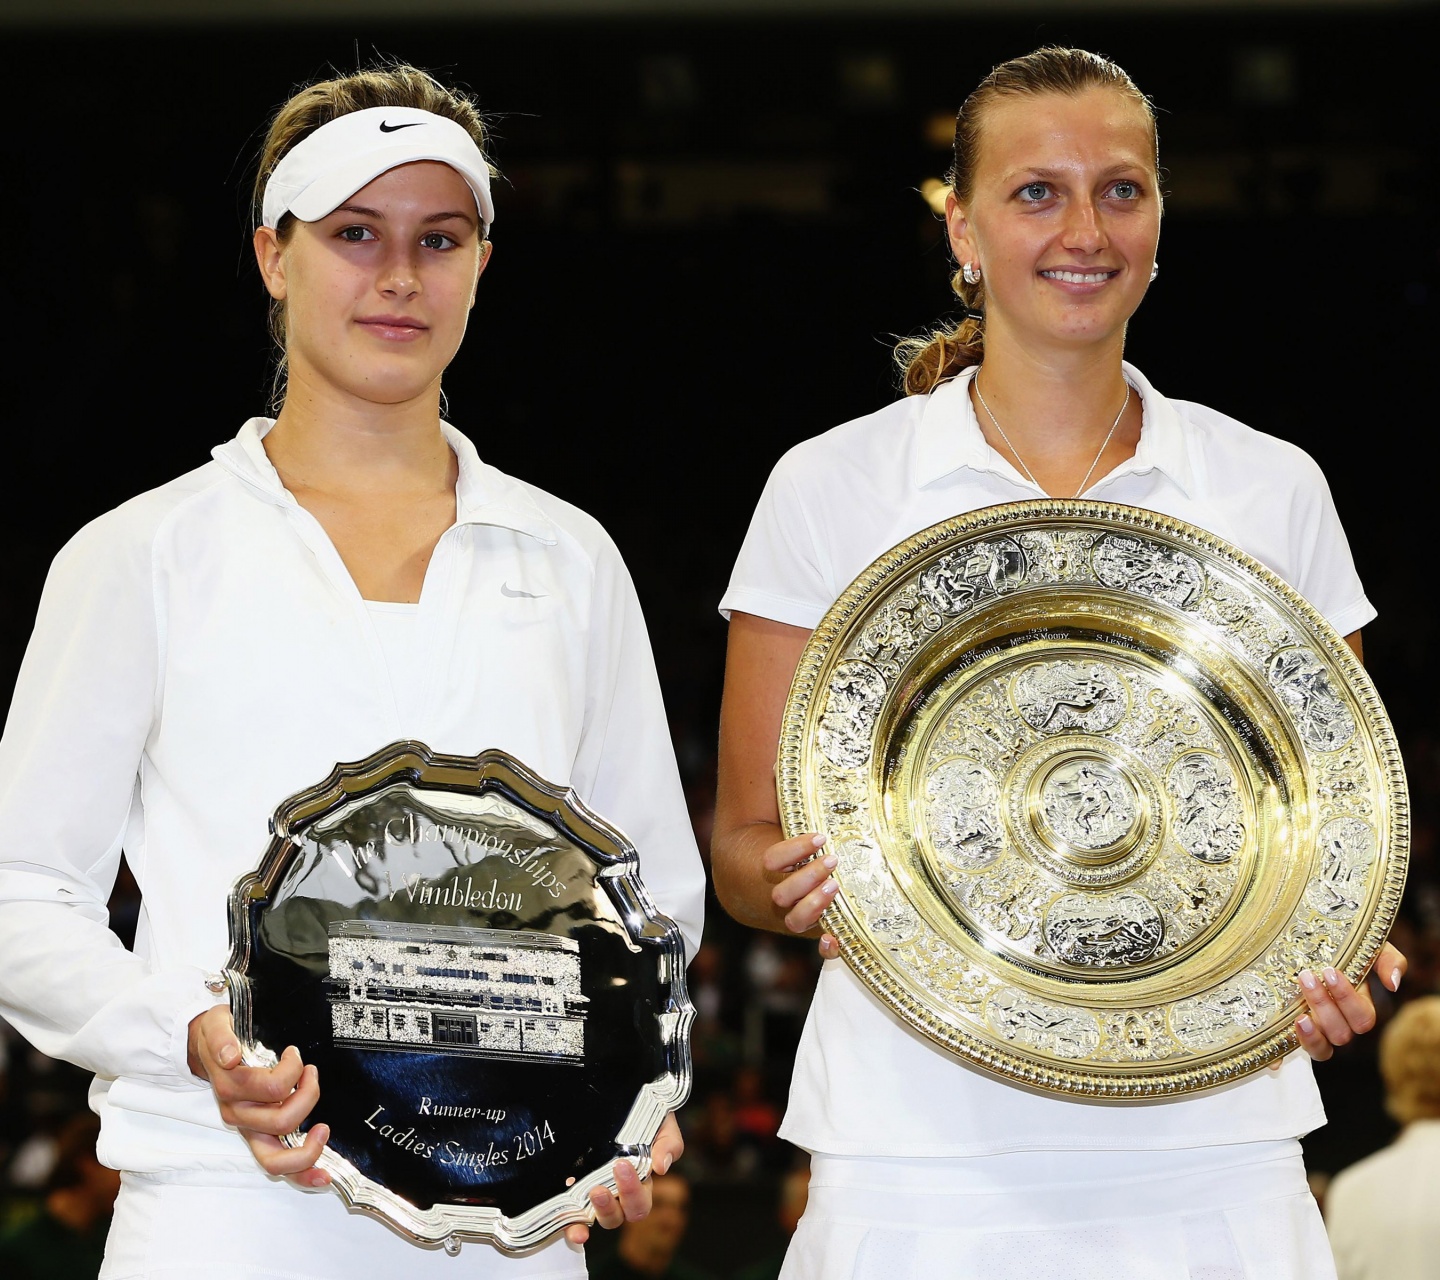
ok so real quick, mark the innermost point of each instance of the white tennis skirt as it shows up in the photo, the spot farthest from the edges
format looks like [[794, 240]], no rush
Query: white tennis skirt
[[1241, 1212], [169, 1228]]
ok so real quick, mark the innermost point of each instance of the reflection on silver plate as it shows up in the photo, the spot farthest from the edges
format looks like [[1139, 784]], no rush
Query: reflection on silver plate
[[496, 1008], [1100, 786]]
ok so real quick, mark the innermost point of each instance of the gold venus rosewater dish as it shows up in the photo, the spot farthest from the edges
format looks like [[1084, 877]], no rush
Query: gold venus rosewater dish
[[1100, 786]]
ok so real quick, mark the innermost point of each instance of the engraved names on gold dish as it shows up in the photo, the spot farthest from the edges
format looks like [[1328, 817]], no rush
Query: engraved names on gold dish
[[1100, 785]]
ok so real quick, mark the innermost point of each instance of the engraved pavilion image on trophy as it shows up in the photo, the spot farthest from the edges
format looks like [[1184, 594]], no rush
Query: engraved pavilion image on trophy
[[1100, 785], [452, 990], [497, 1010]]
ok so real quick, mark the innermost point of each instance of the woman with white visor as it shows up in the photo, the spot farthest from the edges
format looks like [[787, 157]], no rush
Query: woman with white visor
[[347, 575], [923, 1165]]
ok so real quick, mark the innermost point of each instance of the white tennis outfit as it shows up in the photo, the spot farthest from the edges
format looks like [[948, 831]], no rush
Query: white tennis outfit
[[200, 654], [908, 1135]]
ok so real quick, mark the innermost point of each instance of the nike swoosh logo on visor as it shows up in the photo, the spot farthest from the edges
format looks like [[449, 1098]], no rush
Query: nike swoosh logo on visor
[[507, 590], [390, 128]]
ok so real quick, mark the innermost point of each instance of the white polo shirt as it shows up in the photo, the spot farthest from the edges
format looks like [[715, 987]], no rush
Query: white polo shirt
[[200, 654], [864, 1082]]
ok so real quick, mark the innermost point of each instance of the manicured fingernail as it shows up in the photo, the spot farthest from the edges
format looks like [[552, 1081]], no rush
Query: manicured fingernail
[[818, 841], [1395, 980], [322, 1131], [829, 886], [665, 1164], [1331, 977], [1306, 1025], [830, 860], [1307, 980], [227, 1055]]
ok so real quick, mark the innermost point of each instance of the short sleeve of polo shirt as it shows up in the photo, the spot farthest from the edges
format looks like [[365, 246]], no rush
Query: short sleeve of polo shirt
[[1326, 573], [780, 573]]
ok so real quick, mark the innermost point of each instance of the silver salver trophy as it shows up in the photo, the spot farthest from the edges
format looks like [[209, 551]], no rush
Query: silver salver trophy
[[496, 1008]]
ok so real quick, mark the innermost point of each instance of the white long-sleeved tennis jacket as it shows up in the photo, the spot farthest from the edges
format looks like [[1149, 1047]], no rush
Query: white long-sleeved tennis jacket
[[200, 654]]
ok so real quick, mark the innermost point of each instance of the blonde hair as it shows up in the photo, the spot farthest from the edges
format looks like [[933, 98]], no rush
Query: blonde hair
[[1410, 1061], [390, 84], [930, 359]]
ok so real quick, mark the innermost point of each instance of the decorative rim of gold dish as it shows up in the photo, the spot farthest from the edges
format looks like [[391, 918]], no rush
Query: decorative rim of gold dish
[[1100, 785]]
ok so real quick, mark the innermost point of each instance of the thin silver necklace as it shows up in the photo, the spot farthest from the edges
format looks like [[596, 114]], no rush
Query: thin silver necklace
[[1028, 474]]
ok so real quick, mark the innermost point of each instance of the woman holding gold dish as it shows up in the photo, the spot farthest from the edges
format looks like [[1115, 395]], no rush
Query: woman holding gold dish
[[922, 1164], [346, 575]]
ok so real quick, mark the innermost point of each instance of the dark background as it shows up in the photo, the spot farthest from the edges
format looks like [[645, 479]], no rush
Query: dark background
[[707, 234]]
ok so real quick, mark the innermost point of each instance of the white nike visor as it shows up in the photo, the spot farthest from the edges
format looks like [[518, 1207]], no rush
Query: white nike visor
[[325, 168]]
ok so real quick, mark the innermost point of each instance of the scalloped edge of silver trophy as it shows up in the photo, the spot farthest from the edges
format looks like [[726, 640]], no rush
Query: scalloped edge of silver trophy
[[451, 1226]]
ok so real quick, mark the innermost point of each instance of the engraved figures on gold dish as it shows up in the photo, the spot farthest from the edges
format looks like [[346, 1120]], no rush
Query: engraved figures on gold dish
[[1100, 785]]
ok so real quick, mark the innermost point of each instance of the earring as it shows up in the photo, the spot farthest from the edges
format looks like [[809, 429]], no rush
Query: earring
[[1154, 271], [970, 272]]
